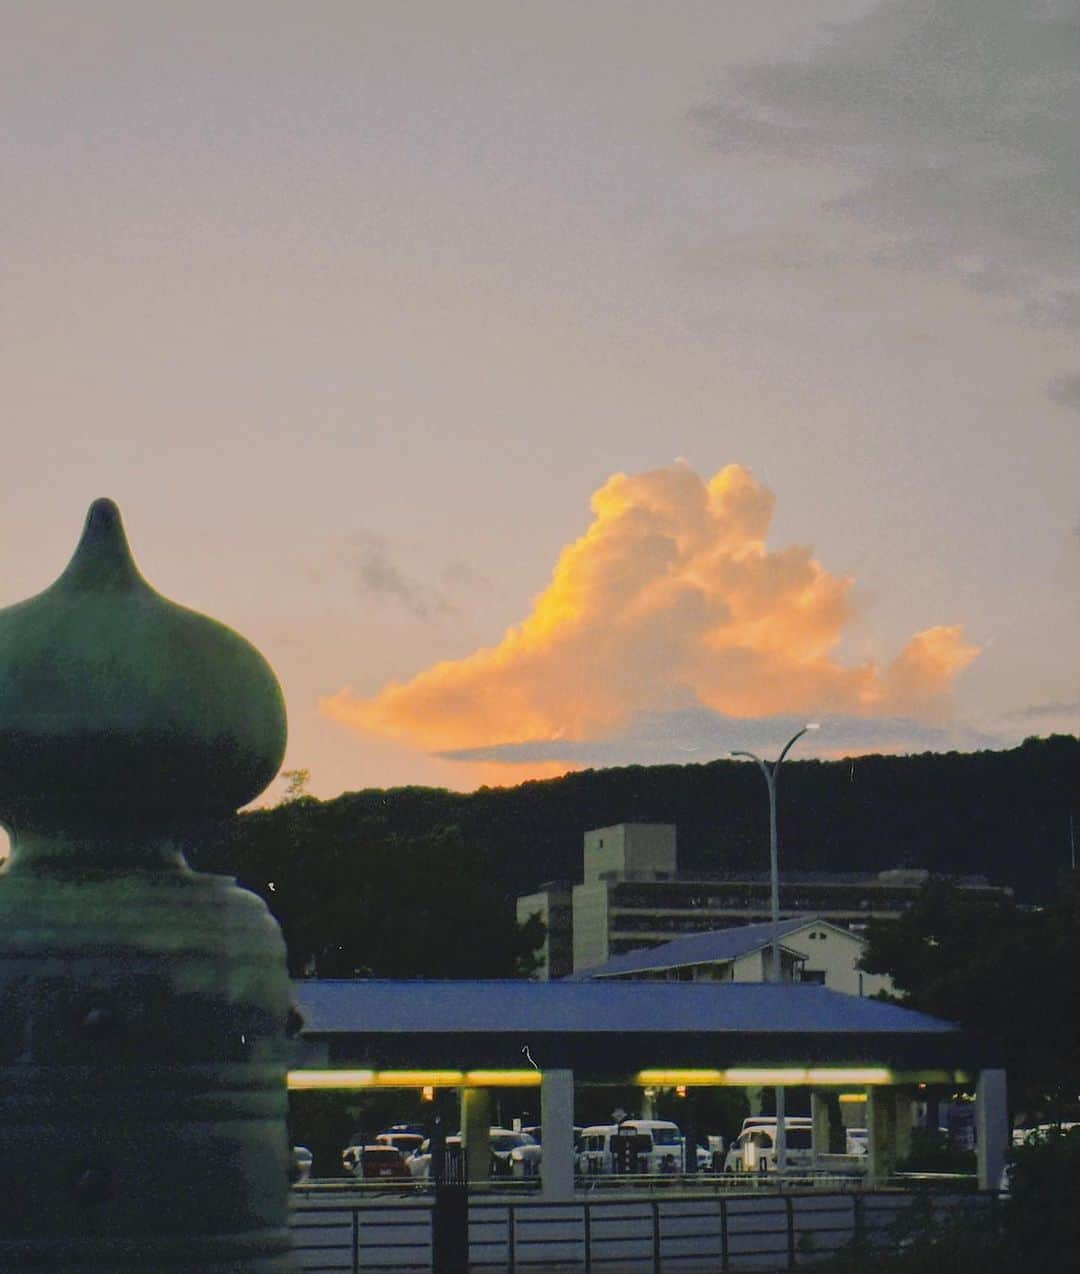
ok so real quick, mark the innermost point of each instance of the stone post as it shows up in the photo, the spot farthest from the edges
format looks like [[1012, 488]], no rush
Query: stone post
[[881, 1128], [144, 1005], [475, 1132], [991, 1127], [827, 1129], [557, 1126]]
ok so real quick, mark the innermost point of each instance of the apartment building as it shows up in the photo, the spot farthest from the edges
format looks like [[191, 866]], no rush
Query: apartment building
[[632, 896]]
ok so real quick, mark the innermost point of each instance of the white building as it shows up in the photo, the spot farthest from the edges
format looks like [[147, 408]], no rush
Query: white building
[[811, 950], [632, 895]]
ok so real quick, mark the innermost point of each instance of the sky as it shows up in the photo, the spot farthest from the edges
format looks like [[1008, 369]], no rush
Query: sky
[[541, 384]]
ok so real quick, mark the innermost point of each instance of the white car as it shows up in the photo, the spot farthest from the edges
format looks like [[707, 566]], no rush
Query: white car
[[419, 1162], [300, 1169], [754, 1150], [858, 1141], [514, 1153], [658, 1146]]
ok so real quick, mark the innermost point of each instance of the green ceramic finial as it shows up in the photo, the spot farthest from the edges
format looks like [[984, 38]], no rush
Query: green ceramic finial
[[123, 716]]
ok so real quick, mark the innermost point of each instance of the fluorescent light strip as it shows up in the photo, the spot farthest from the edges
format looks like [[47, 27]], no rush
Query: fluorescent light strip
[[849, 1075], [764, 1075], [301, 1080], [677, 1078], [503, 1079]]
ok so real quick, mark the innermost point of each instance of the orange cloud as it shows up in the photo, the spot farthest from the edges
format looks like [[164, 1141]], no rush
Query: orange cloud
[[670, 600]]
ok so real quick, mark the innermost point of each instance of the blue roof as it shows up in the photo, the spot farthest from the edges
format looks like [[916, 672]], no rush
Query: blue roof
[[375, 1007], [713, 947]]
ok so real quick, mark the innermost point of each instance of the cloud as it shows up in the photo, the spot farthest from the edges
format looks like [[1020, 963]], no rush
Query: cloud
[[958, 120], [698, 735], [671, 602], [1041, 711], [379, 576]]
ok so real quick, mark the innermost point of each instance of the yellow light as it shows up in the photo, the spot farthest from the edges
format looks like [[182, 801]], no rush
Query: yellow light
[[503, 1079], [298, 1080], [678, 1078], [766, 1075], [852, 1097], [849, 1075], [427, 1093], [680, 1090], [419, 1079], [424, 1079]]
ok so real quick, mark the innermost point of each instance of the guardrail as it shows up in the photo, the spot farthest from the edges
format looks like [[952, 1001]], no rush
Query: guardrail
[[714, 1233], [604, 1182]]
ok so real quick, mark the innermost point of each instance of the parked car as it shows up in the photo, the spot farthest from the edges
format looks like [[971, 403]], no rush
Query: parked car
[[535, 1131], [763, 1121], [300, 1167], [512, 1154], [857, 1141], [651, 1145], [406, 1142], [375, 1162], [419, 1162], [754, 1150]]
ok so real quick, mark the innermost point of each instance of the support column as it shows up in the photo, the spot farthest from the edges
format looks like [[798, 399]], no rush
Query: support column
[[905, 1118], [991, 1127], [475, 1132], [557, 1125], [827, 1131], [881, 1130]]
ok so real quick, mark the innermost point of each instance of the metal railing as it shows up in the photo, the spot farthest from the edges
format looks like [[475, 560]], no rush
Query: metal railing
[[717, 1233]]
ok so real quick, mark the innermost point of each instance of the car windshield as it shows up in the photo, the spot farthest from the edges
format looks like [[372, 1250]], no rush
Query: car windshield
[[666, 1136], [799, 1138]]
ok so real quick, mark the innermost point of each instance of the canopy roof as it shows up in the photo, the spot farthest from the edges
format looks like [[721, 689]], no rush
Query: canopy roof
[[614, 1028]]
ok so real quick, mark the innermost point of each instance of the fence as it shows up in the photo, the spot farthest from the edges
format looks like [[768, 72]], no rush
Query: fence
[[687, 1234]]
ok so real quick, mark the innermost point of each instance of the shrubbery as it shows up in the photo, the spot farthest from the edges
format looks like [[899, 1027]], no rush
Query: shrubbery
[[1036, 1227]]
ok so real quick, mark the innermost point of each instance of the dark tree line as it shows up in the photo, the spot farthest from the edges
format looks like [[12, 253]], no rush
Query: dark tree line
[[369, 900], [421, 881]]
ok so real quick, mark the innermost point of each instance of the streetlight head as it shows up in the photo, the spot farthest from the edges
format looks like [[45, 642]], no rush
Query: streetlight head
[[812, 725]]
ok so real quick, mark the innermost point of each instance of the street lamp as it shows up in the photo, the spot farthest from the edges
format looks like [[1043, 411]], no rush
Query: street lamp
[[770, 772]]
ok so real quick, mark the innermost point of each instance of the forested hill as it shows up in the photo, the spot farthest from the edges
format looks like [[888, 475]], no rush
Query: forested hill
[[1004, 815]]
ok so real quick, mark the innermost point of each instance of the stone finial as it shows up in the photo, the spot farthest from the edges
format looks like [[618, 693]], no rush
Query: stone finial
[[124, 717]]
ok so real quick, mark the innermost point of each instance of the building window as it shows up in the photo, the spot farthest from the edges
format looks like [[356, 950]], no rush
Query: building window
[[815, 977]]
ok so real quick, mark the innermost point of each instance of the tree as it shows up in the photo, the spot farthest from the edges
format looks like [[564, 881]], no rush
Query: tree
[[296, 784], [1004, 972], [367, 901]]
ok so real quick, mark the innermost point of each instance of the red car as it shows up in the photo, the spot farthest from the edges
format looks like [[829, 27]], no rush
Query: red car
[[374, 1162]]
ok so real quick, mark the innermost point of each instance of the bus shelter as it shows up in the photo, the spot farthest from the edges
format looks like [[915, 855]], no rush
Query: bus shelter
[[477, 1036]]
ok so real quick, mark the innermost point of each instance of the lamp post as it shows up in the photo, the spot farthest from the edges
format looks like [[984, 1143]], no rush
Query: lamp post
[[770, 771]]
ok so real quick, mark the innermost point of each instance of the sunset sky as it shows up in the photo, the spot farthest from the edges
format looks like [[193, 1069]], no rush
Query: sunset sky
[[542, 384]]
